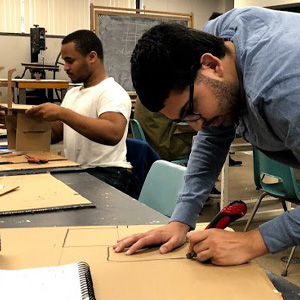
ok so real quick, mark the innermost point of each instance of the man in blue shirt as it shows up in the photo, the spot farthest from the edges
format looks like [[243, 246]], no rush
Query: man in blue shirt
[[242, 72]]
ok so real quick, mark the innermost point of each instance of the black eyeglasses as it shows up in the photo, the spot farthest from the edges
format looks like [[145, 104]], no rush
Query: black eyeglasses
[[189, 115]]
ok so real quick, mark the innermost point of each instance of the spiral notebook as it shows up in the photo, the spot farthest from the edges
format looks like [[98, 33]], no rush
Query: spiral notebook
[[67, 282]]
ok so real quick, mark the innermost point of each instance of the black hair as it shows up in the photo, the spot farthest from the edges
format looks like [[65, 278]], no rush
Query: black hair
[[166, 58], [85, 41], [214, 15]]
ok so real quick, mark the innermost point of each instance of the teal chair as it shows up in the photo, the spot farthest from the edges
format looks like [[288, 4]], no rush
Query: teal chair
[[181, 161], [162, 185], [286, 187], [137, 130]]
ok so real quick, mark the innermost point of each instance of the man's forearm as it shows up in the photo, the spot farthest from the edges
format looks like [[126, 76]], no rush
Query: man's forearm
[[102, 131]]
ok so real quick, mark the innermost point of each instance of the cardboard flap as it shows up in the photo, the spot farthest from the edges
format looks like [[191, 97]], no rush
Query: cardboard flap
[[28, 124]]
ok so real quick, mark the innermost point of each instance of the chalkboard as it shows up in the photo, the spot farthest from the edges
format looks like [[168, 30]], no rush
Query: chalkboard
[[119, 34]]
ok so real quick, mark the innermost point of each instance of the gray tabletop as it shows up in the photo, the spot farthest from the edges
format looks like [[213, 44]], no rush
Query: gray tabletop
[[112, 207]]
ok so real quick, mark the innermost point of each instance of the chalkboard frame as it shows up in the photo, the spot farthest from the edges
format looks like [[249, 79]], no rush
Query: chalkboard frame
[[97, 11]]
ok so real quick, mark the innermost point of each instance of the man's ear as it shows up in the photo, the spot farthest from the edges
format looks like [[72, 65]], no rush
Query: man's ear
[[93, 56], [211, 63]]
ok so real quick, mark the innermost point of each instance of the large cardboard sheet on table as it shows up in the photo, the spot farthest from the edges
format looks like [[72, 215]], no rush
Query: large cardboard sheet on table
[[147, 275], [37, 192]]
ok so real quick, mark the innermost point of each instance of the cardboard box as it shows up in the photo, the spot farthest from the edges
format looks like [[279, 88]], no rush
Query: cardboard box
[[25, 132]]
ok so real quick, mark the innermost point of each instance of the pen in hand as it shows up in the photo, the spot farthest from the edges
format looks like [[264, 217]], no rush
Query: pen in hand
[[230, 213]]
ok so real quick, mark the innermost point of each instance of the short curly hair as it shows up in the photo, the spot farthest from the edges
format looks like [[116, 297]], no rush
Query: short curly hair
[[85, 41]]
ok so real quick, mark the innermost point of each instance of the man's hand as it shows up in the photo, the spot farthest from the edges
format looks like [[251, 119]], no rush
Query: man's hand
[[47, 111], [227, 248], [169, 236]]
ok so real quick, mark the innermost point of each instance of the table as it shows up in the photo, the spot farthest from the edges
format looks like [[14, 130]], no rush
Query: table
[[23, 84], [112, 207]]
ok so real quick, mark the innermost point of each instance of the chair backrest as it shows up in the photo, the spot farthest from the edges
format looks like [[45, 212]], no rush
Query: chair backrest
[[162, 185], [137, 130], [286, 187]]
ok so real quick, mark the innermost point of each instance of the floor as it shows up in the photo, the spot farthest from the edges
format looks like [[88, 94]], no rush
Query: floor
[[242, 188]]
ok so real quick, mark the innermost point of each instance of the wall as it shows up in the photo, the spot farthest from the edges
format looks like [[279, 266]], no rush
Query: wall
[[262, 3], [11, 56], [202, 9]]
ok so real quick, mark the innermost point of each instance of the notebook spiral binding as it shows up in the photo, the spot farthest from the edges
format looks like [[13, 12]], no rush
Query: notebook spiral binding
[[86, 283]]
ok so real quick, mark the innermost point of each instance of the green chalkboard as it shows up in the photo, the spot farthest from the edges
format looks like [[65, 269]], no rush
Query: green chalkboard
[[119, 34]]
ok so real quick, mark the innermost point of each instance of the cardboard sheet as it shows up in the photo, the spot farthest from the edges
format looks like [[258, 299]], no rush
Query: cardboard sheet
[[38, 192], [20, 156], [18, 161], [155, 277], [21, 107]]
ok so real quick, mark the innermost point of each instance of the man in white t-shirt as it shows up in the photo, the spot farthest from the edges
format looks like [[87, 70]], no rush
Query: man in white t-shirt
[[93, 119]]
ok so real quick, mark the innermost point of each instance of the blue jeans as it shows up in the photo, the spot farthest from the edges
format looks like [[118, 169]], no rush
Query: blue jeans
[[120, 178]]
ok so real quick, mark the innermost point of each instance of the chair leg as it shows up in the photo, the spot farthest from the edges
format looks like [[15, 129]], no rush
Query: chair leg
[[254, 211], [283, 204], [284, 272]]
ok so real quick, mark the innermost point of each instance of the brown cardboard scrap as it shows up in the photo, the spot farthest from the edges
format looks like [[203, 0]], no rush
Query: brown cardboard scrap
[[4, 189], [38, 192]]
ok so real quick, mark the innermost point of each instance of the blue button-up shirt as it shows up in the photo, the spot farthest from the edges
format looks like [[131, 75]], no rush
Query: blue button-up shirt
[[267, 48]]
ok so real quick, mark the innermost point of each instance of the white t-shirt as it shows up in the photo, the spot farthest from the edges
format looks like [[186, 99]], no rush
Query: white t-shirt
[[107, 96]]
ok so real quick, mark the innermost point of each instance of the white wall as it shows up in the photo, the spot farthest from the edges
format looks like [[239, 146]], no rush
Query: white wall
[[202, 9], [262, 3], [15, 50]]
